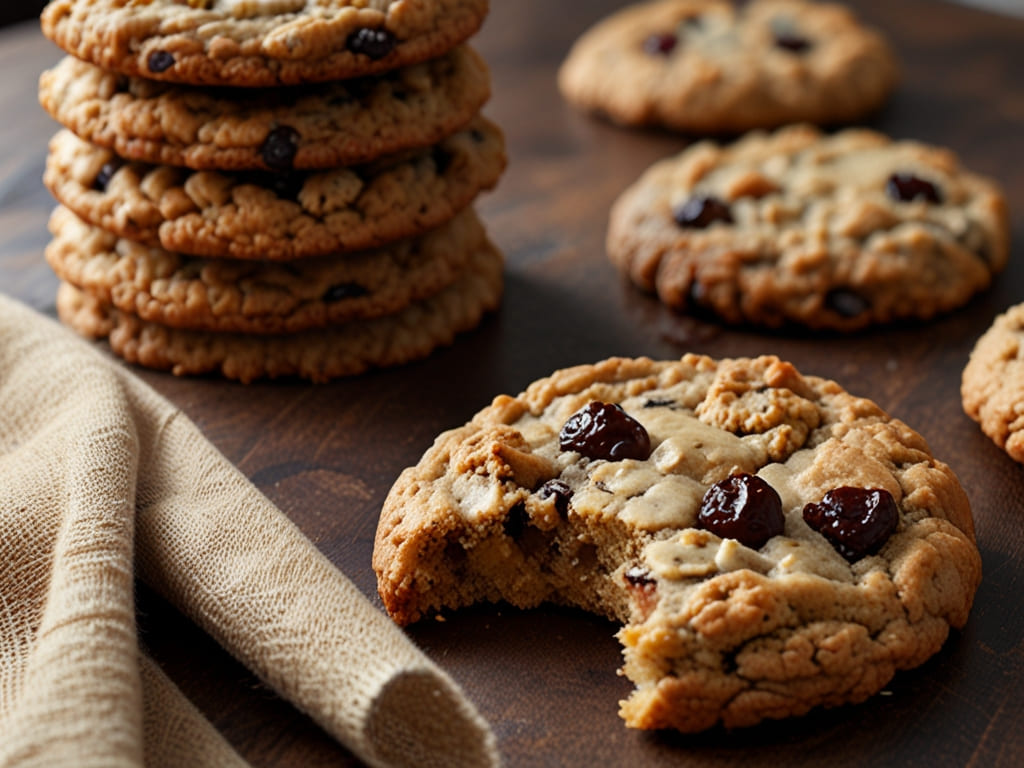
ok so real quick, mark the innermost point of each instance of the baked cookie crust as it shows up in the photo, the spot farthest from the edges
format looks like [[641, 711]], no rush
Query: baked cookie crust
[[992, 385], [709, 66], [520, 505], [280, 129], [799, 228], [276, 217], [258, 42], [237, 296], [410, 334]]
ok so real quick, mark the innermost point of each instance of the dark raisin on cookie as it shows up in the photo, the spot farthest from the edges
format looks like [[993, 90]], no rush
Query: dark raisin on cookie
[[515, 523], [279, 148], [373, 43], [343, 291], [159, 61], [791, 41], [605, 431], [701, 211], [106, 173], [560, 492], [905, 187], [660, 44], [856, 521], [846, 303], [742, 507]]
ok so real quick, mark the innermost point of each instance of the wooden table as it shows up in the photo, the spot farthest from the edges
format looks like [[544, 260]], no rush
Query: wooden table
[[547, 679]]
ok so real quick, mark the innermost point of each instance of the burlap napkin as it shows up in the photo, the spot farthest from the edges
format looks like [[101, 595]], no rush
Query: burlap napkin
[[102, 480]]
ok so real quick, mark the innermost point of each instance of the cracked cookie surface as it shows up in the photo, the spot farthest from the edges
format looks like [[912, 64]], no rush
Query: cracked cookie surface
[[992, 385], [282, 129], [271, 216], [796, 227], [258, 42], [710, 66], [318, 355], [236, 296], [510, 507]]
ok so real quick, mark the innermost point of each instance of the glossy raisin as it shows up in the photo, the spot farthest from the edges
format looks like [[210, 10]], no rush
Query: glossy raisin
[[605, 431], [373, 43], [279, 148], [561, 492], [660, 44], [159, 61], [700, 211], [856, 521], [516, 522], [742, 507], [106, 173], [908, 186]]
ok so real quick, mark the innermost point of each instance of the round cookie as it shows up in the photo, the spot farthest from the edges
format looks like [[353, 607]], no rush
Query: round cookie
[[253, 296], [992, 386], [318, 355], [770, 542], [712, 66], [281, 129], [797, 227], [258, 42], [275, 217]]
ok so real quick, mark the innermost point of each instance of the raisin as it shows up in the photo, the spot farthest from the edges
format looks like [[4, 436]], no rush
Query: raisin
[[792, 42], [106, 173], [660, 44], [846, 303], [701, 211], [605, 431], [343, 291], [279, 148], [373, 43], [160, 61], [742, 507], [516, 522], [907, 186], [561, 492], [856, 521]]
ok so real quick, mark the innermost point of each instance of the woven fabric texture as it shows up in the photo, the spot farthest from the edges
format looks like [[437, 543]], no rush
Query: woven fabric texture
[[102, 481]]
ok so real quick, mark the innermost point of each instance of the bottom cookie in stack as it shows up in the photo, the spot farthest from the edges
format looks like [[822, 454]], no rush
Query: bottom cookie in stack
[[317, 319]]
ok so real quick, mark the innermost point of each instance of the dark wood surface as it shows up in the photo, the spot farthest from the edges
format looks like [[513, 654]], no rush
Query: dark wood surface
[[547, 679]]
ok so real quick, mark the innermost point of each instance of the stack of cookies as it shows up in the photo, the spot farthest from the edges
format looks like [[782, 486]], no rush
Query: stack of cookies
[[270, 188]]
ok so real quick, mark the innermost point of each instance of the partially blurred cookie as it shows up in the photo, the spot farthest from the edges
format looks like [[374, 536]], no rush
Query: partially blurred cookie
[[258, 42], [279, 129], [276, 217], [713, 66], [318, 355], [770, 542], [992, 387], [801, 228]]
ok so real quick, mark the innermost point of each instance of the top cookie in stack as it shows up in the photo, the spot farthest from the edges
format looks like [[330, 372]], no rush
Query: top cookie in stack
[[270, 188]]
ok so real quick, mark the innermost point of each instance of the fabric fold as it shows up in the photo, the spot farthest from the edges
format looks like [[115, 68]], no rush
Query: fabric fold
[[97, 467]]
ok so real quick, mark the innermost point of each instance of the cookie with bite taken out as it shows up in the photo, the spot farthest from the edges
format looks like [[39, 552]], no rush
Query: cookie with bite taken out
[[769, 542]]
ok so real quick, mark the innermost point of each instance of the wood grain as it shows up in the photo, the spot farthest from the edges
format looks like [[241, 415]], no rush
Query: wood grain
[[547, 679]]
